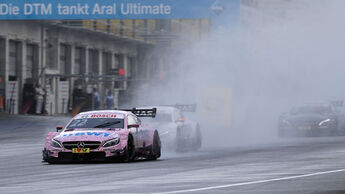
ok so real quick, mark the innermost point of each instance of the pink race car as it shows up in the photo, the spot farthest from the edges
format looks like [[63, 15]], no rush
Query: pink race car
[[104, 135]]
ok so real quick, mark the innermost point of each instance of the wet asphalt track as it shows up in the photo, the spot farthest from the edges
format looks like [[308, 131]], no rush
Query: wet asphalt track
[[314, 165]]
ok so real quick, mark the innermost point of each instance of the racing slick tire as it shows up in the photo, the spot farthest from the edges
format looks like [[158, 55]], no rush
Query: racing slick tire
[[197, 139], [179, 140], [341, 132], [45, 158], [44, 155], [338, 132], [155, 151], [129, 154]]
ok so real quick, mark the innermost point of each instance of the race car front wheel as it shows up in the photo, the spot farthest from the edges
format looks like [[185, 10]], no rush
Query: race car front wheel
[[129, 151], [44, 155]]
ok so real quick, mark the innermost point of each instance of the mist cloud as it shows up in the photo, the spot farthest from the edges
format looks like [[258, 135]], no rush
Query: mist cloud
[[268, 67]]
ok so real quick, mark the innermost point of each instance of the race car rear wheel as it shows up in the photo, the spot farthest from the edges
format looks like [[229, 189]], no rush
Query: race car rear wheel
[[129, 150], [340, 131], [180, 146], [197, 138], [155, 148]]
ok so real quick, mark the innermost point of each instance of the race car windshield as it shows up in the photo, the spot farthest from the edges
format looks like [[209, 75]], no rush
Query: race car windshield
[[312, 110], [96, 123]]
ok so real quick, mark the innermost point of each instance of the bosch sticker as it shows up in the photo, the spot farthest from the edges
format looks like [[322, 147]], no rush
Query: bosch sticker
[[104, 116], [101, 115]]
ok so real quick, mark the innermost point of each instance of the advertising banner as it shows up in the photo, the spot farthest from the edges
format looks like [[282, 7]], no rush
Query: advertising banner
[[107, 9]]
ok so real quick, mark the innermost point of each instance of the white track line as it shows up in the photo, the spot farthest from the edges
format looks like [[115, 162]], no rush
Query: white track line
[[253, 182]]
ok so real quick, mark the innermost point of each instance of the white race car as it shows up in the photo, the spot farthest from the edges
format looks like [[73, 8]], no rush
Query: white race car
[[176, 131]]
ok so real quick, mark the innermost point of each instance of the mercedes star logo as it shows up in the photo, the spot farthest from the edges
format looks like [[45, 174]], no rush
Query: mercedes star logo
[[81, 144]]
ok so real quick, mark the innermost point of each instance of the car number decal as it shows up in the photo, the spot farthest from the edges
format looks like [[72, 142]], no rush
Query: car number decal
[[80, 150]]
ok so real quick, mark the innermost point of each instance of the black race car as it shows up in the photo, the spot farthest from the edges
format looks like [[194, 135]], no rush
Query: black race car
[[313, 119]]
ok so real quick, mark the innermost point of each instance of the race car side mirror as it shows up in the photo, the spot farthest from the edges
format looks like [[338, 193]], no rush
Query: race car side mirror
[[58, 128], [133, 126]]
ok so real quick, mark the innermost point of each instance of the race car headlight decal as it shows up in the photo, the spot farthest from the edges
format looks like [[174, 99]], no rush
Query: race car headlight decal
[[111, 142], [324, 122], [55, 143]]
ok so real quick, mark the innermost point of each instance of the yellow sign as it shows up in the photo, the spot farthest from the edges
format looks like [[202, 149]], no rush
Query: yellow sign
[[80, 150]]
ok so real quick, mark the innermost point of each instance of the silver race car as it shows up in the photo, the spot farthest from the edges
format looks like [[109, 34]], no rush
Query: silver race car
[[177, 132]]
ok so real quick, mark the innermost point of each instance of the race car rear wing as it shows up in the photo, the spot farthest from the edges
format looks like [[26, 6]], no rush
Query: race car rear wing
[[142, 112], [186, 107]]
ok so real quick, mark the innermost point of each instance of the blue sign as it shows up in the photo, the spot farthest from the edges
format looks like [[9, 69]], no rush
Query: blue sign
[[107, 9]]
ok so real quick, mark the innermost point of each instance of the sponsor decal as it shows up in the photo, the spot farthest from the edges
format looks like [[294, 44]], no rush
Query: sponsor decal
[[79, 134], [104, 9], [80, 150], [104, 116], [101, 115]]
